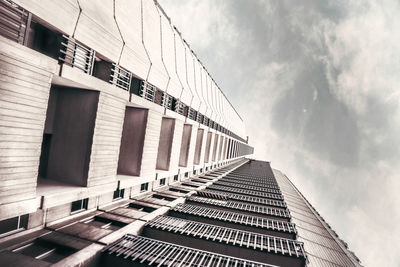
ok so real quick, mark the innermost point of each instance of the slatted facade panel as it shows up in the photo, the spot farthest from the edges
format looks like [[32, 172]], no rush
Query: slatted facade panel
[[234, 237], [144, 250], [238, 218], [97, 28], [150, 146], [25, 84], [262, 210], [247, 192], [129, 18], [244, 198], [107, 138]]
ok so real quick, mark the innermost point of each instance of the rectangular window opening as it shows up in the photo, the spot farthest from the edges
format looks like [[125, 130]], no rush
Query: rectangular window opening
[[144, 187], [79, 205]]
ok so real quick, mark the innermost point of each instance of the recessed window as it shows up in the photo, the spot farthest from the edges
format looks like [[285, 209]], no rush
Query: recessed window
[[201, 170], [102, 68], [157, 196], [45, 251], [144, 187], [119, 193], [186, 174], [176, 177], [13, 225], [162, 181], [79, 205]]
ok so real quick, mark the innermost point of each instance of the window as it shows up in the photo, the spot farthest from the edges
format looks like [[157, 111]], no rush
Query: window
[[162, 197], [186, 174], [44, 250], [165, 143], [201, 170], [119, 193], [12, 225], [176, 177], [162, 181], [79, 205], [144, 187], [45, 40], [102, 68], [141, 207]]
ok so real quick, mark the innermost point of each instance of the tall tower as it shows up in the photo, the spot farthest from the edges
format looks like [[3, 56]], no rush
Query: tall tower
[[245, 215]]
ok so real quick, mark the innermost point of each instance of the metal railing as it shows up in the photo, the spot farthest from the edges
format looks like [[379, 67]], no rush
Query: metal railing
[[235, 237], [245, 192], [150, 251], [238, 218], [148, 91], [241, 206], [167, 101], [192, 114], [77, 55], [249, 187], [120, 77], [14, 21], [242, 182], [226, 195]]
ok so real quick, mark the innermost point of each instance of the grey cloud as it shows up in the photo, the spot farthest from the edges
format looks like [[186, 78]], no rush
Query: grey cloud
[[276, 62]]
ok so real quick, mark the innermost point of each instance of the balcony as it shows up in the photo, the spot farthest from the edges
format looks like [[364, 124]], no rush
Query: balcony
[[232, 242]]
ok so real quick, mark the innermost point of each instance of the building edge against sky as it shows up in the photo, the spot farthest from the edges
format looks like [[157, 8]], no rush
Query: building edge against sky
[[104, 107]]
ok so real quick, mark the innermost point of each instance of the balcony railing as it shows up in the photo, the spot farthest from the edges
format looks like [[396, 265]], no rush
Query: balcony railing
[[245, 192], [148, 91], [241, 206], [121, 77], [77, 55], [249, 187], [235, 237], [233, 196], [138, 249], [238, 218]]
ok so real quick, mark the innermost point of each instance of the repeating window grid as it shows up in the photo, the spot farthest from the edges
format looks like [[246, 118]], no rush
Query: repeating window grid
[[228, 235], [77, 55], [225, 195], [256, 188], [242, 206], [246, 192], [236, 218], [242, 182], [120, 77], [148, 91], [150, 251]]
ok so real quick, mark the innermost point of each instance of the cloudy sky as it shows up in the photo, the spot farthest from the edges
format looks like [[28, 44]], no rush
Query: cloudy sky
[[317, 84]]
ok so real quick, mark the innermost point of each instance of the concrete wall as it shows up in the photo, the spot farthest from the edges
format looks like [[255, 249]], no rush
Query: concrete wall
[[24, 91]]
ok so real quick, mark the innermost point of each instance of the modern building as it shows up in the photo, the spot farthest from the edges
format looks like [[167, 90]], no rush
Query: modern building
[[119, 148]]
